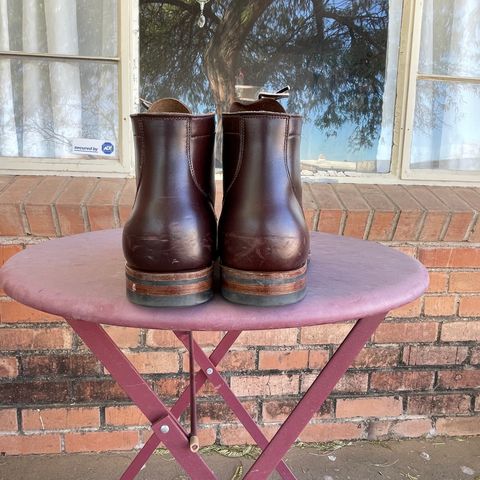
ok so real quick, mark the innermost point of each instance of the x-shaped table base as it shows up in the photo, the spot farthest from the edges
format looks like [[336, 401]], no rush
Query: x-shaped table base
[[169, 431]]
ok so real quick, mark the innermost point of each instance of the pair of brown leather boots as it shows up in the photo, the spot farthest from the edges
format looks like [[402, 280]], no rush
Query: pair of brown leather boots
[[170, 241]]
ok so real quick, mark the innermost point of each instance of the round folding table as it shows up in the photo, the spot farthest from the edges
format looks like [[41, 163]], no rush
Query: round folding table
[[82, 279]]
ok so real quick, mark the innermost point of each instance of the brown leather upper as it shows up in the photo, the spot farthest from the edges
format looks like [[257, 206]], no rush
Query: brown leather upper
[[173, 226], [262, 226]]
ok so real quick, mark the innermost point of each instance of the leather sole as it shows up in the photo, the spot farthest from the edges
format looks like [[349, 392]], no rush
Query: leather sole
[[264, 289], [179, 289]]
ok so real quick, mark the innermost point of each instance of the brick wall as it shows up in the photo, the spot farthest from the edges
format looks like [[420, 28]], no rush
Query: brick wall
[[419, 374]]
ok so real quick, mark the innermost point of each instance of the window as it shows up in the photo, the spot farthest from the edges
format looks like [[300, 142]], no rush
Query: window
[[444, 92], [59, 77], [332, 53], [389, 89]]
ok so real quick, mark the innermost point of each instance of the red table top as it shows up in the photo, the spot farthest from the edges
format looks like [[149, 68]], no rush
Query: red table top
[[82, 277]]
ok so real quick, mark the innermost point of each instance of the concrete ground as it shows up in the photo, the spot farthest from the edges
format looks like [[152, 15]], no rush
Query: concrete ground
[[436, 459]]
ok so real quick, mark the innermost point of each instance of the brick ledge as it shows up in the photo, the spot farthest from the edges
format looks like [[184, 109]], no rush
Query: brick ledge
[[49, 206]]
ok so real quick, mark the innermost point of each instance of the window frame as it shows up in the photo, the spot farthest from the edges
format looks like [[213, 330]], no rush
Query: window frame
[[127, 64], [406, 172]]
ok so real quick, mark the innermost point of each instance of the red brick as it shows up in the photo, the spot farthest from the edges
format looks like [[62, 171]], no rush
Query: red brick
[[331, 210], [39, 206], [459, 379], [97, 390], [237, 361], [35, 338], [8, 367], [411, 213], [265, 385], [11, 199], [460, 331], [401, 381], [70, 205], [456, 426], [102, 203], [8, 420], [51, 364], [436, 216], [310, 208], [8, 251], [384, 212], [154, 362], [14, 312], [410, 310], [439, 305], [369, 407], [173, 387], [434, 355], [129, 415], [325, 334], [444, 257], [438, 404], [34, 393], [464, 282], [461, 214], [358, 211], [477, 403], [469, 306], [327, 432], [283, 336], [124, 337], [318, 358], [220, 412], [125, 202], [283, 360], [410, 428], [30, 444], [350, 382], [390, 332], [437, 282], [100, 441], [60, 418], [237, 435], [166, 339], [377, 357], [278, 410]]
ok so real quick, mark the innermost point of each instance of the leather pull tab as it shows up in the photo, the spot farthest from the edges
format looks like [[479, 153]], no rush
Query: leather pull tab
[[282, 93]]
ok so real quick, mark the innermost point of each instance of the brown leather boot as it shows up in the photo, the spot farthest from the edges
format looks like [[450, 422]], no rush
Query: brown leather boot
[[263, 236], [169, 241]]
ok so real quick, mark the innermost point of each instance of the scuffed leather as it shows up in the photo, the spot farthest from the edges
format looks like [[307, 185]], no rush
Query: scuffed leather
[[262, 226], [173, 226]]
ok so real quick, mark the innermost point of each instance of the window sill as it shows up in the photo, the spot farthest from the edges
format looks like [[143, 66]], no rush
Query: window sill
[[49, 206]]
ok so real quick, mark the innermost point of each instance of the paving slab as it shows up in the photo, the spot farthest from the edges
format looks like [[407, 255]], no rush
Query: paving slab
[[432, 459]]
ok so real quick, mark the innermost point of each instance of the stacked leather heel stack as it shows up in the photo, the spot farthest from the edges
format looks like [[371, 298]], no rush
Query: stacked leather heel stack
[[170, 242]]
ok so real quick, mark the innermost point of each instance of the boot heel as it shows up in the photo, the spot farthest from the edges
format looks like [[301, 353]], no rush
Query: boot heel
[[264, 289], [180, 289]]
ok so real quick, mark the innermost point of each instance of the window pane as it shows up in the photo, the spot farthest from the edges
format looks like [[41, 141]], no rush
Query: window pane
[[338, 56], [445, 132], [73, 27], [450, 42], [46, 105]]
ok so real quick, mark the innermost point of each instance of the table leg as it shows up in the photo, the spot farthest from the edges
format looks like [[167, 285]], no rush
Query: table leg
[[313, 398], [231, 400], [175, 438]]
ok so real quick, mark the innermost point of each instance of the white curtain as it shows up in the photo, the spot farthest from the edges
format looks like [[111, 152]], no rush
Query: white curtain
[[46, 103], [445, 133], [8, 133]]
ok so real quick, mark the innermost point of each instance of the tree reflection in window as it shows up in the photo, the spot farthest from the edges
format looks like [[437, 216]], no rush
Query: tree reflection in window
[[332, 53]]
